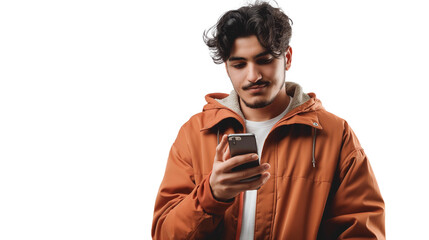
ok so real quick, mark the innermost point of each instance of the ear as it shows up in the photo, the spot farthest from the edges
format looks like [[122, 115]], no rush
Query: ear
[[288, 58]]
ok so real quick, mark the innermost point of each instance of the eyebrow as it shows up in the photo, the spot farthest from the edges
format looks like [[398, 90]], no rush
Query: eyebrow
[[233, 58]]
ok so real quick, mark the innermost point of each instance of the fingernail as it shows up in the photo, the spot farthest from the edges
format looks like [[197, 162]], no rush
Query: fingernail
[[266, 166], [267, 176], [255, 156]]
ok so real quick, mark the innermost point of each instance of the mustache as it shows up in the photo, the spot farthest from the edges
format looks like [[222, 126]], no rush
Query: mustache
[[258, 83]]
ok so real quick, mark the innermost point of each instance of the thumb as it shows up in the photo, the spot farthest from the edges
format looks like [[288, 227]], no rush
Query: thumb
[[226, 154], [221, 148]]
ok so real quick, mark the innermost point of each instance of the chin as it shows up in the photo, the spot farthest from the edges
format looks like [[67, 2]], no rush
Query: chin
[[258, 103]]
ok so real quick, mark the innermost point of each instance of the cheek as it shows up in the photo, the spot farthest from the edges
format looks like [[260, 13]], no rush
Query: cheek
[[273, 73], [278, 72], [236, 76]]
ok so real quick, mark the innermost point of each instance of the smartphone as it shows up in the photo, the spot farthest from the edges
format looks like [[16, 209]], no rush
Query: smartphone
[[244, 143]]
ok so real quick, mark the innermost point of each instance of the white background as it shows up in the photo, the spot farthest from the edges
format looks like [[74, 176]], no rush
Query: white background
[[93, 93]]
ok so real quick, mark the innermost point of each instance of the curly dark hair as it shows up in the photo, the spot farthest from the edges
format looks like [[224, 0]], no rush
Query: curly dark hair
[[270, 25]]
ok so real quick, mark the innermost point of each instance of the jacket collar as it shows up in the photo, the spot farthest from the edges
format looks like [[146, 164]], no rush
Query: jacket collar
[[221, 106]]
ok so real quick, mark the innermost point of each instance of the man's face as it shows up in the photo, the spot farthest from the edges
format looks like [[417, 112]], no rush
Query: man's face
[[256, 75]]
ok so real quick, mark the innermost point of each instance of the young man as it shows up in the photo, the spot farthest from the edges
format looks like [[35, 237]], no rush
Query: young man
[[316, 181]]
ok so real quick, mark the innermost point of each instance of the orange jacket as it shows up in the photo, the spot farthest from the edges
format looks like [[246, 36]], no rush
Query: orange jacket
[[321, 185]]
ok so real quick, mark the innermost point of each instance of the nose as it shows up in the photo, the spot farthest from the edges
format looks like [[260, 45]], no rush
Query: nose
[[253, 73]]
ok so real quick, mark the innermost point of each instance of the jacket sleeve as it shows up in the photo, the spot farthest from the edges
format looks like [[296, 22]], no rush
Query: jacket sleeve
[[184, 209], [356, 207]]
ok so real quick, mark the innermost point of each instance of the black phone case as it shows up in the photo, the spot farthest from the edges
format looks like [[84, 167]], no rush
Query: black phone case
[[243, 143]]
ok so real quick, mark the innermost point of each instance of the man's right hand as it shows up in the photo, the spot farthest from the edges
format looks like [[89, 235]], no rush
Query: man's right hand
[[225, 184]]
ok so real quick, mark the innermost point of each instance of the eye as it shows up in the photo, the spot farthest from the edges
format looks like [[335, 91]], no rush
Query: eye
[[239, 65], [264, 61]]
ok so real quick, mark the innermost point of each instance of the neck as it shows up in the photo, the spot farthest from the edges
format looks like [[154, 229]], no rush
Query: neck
[[274, 109]]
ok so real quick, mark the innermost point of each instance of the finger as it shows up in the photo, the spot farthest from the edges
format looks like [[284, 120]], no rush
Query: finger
[[264, 178], [253, 185], [239, 159], [236, 177]]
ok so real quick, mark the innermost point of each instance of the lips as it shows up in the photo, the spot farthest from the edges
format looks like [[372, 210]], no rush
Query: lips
[[256, 88], [257, 85]]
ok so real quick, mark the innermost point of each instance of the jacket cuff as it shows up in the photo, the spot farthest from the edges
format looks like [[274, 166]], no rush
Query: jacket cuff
[[207, 200]]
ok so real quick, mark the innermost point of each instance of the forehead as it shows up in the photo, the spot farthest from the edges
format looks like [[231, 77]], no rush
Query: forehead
[[246, 47]]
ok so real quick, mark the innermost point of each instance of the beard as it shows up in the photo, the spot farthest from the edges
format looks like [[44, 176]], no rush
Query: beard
[[263, 102], [259, 104]]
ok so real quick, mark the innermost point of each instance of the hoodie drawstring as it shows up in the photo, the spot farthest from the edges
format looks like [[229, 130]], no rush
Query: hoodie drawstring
[[314, 146]]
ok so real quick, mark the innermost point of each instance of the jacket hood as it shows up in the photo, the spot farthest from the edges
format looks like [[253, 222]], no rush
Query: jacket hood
[[221, 106]]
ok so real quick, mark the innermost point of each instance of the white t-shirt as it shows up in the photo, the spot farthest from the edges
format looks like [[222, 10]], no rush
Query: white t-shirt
[[261, 130]]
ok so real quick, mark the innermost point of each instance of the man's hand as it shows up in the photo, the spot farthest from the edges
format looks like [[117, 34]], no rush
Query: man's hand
[[225, 184]]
